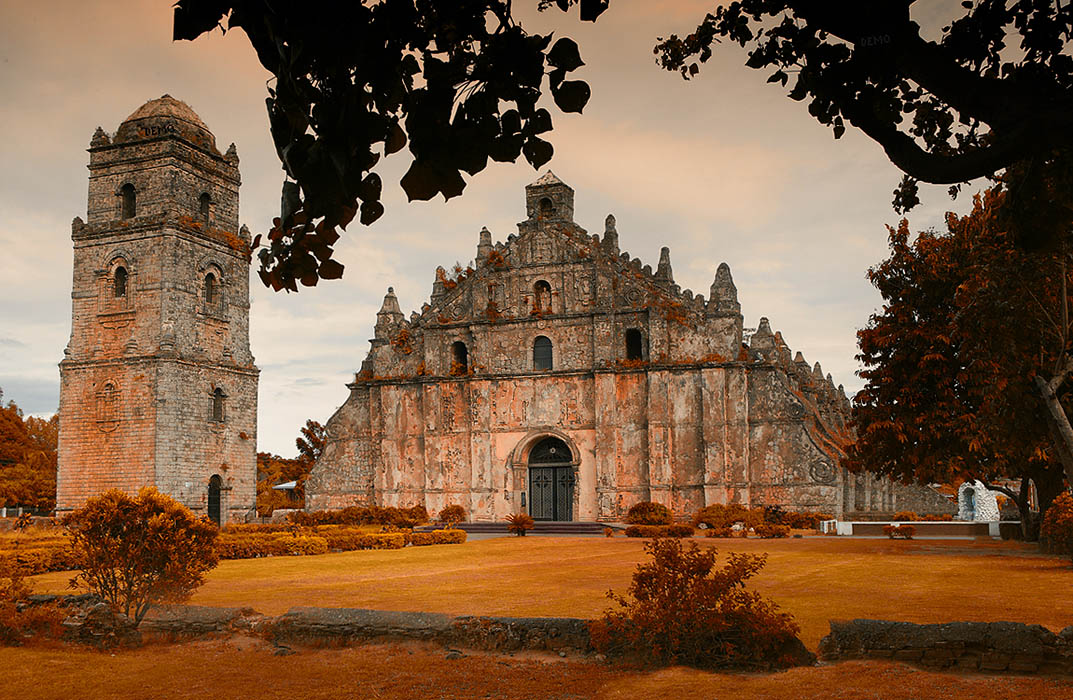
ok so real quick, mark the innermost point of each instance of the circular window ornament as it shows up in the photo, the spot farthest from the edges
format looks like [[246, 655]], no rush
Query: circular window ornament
[[823, 472]]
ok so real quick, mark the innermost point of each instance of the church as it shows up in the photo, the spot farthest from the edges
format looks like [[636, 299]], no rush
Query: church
[[560, 377]]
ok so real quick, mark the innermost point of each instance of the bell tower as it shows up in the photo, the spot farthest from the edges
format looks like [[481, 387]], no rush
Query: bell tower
[[157, 385]]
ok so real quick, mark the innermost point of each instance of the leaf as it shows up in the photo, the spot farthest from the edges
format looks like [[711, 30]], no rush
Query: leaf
[[420, 182], [290, 200], [371, 211], [331, 270], [565, 55], [591, 9], [395, 139], [537, 151], [572, 95], [192, 18], [539, 123]]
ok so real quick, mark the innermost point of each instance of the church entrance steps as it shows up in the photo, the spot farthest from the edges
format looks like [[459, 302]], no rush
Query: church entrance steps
[[542, 527]]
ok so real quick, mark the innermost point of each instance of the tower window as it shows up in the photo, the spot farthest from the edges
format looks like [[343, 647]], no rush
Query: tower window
[[106, 403], [203, 208], [541, 353], [634, 345], [542, 296], [119, 282], [129, 201], [547, 209], [459, 358], [210, 289], [217, 405]]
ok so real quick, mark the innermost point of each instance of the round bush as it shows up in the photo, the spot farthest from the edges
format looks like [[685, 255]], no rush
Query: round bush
[[649, 513], [1056, 532]]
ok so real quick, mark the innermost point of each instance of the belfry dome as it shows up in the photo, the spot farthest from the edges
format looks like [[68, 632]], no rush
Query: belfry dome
[[166, 116]]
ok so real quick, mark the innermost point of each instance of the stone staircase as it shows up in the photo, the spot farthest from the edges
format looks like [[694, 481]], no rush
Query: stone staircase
[[542, 527]]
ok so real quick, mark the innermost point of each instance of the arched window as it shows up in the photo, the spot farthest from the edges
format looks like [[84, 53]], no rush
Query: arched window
[[635, 345], [217, 405], [203, 208], [210, 289], [547, 209], [215, 484], [542, 296], [129, 201], [541, 353], [107, 399], [459, 358], [119, 282]]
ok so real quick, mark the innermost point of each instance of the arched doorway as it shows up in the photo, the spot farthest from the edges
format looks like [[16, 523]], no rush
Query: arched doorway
[[214, 498], [551, 480]]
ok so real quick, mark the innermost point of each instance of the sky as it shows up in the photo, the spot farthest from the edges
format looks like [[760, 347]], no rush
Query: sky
[[720, 168]]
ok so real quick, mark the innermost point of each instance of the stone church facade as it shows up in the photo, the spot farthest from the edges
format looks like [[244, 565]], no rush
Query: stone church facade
[[563, 378], [158, 385]]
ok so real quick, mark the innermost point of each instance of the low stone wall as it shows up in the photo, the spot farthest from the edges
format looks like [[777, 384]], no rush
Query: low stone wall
[[1010, 647], [347, 625]]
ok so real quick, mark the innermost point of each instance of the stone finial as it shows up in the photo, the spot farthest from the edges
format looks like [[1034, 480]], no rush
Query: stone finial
[[763, 340], [438, 290], [782, 349], [723, 295], [484, 246], [799, 358], [817, 374], [100, 138], [610, 241], [664, 274], [231, 155], [389, 316]]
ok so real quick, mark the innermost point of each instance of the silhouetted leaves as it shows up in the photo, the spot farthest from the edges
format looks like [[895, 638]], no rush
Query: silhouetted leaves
[[458, 83]]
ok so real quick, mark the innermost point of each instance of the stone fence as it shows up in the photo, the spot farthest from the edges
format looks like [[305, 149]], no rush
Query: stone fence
[[973, 646]]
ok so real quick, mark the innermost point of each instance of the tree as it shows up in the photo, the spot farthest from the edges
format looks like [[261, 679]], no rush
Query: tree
[[995, 90], [136, 552], [27, 459], [273, 470], [970, 324], [311, 442], [357, 80]]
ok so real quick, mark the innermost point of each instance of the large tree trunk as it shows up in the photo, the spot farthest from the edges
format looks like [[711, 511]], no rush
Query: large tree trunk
[[1057, 420]]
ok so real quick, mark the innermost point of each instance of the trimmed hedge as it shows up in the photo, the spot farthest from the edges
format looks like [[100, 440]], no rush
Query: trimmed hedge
[[659, 531], [252, 545], [352, 541], [649, 513], [41, 559], [421, 539], [771, 530], [362, 515]]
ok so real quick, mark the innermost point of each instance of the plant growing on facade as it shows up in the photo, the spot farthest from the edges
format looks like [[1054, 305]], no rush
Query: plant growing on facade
[[136, 552], [680, 609]]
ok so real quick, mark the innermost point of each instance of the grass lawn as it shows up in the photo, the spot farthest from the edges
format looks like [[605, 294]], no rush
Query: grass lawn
[[816, 579]]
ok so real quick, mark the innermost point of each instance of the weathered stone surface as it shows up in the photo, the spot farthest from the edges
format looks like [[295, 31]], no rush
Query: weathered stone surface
[[654, 392], [100, 626], [986, 646], [160, 321], [181, 621]]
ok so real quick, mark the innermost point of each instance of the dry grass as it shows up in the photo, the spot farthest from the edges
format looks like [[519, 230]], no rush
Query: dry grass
[[816, 579], [247, 668]]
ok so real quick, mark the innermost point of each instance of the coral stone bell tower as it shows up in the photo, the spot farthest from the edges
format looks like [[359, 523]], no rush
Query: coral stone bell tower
[[157, 384]]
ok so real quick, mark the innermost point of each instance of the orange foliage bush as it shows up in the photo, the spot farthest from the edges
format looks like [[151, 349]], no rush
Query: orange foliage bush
[[720, 516], [659, 531], [421, 539], [452, 514], [904, 532], [649, 513], [363, 515], [903, 515], [771, 530], [1056, 531], [681, 610], [136, 552]]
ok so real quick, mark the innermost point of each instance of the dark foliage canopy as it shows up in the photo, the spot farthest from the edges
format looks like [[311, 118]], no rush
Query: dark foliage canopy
[[994, 90], [458, 83]]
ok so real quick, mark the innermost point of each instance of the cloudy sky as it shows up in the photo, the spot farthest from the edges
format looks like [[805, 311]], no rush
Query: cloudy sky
[[722, 168]]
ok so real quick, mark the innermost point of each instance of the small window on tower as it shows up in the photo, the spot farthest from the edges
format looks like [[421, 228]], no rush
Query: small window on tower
[[210, 289], [119, 282], [635, 348], [129, 201], [541, 353], [203, 208], [217, 409], [547, 209]]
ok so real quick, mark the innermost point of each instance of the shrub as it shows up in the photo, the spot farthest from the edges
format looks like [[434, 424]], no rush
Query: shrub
[[942, 517], [452, 515], [518, 523], [1056, 531], [421, 539], [905, 515], [681, 611], [904, 532], [659, 531], [137, 552], [722, 516], [771, 530], [806, 520], [775, 515], [362, 515], [609, 532], [719, 532], [18, 620], [649, 513]]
